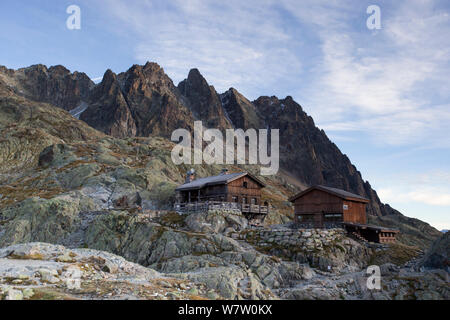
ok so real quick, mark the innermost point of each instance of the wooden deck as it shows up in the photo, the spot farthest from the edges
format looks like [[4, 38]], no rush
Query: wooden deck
[[371, 233], [211, 205]]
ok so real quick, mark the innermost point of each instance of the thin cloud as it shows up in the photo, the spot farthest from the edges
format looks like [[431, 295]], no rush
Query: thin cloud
[[387, 84], [234, 44]]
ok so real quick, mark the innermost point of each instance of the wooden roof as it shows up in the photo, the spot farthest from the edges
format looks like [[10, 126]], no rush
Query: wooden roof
[[334, 191], [217, 180], [372, 227]]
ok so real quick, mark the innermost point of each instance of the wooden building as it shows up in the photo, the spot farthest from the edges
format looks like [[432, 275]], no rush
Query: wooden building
[[235, 190], [325, 207], [322, 207], [371, 233]]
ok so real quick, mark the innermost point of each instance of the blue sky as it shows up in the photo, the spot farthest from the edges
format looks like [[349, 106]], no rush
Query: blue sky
[[381, 95]]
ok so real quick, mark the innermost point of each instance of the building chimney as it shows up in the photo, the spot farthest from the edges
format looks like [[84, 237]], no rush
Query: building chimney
[[224, 171], [190, 176]]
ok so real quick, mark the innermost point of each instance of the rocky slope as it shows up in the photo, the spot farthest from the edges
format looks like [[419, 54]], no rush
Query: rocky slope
[[143, 101], [39, 271], [140, 102], [55, 85], [204, 101], [438, 255], [65, 183]]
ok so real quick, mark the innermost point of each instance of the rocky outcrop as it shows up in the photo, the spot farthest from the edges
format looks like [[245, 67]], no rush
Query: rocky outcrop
[[396, 284], [55, 85], [217, 221], [140, 102], [27, 127], [43, 271], [327, 250], [154, 101], [108, 110], [204, 101], [438, 255], [242, 113]]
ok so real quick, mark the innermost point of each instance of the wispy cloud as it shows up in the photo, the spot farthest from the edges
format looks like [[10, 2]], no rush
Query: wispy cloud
[[431, 188], [233, 43], [392, 83], [427, 194]]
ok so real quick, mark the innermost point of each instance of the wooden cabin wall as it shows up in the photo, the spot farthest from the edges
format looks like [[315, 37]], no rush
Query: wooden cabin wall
[[215, 192], [318, 201], [355, 213], [236, 188]]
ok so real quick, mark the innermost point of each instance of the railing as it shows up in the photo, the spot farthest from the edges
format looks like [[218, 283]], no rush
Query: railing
[[212, 205]]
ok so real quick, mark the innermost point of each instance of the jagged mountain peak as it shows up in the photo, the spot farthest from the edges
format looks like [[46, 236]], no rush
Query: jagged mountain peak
[[203, 100], [58, 69], [240, 110], [195, 82], [108, 77], [194, 72], [55, 85], [145, 78], [34, 68], [149, 70]]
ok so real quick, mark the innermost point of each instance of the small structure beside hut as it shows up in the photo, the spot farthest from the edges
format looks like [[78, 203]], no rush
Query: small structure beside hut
[[325, 207], [241, 191]]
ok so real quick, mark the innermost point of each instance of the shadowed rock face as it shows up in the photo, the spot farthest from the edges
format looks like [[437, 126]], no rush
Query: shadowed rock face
[[306, 151], [140, 102], [108, 110], [204, 101], [438, 256], [55, 85], [241, 111]]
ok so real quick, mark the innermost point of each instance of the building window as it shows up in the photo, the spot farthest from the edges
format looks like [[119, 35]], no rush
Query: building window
[[244, 200], [333, 216], [254, 201], [245, 185], [234, 199]]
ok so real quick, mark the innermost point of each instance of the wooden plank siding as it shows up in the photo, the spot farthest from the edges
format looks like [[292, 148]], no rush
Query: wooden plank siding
[[251, 191], [356, 212], [317, 207], [240, 190]]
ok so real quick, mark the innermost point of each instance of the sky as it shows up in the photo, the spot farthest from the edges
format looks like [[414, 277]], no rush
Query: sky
[[382, 95]]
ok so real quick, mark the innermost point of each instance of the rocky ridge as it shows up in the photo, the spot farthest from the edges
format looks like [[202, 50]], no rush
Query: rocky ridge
[[143, 101], [65, 183]]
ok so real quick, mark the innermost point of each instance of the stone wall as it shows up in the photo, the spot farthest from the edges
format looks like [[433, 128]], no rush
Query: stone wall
[[308, 239], [225, 212]]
